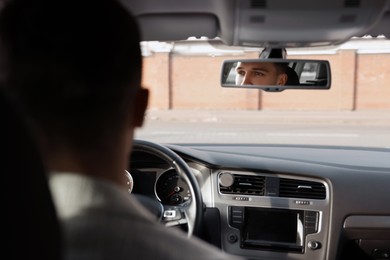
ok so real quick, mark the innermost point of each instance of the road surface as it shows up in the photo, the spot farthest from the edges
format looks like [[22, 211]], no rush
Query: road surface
[[346, 128]]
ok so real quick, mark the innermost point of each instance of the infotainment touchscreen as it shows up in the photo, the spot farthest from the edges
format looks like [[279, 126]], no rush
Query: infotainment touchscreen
[[273, 229]]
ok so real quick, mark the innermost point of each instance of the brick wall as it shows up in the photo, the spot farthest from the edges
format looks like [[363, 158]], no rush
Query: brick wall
[[359, 81], [373, 81]]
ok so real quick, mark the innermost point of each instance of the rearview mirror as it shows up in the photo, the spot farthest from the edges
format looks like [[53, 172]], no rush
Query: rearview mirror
[[276, 74]]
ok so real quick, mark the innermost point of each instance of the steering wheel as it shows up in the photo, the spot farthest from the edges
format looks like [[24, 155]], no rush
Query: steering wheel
[[190, 213]]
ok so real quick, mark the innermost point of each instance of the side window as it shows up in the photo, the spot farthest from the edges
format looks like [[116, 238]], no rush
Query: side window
[[231, 75]]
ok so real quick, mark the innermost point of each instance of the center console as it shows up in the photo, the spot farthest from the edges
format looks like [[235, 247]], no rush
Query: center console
[[264, 216], [273, 229]]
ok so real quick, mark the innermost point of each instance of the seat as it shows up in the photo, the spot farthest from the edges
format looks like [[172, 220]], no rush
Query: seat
[[322, 75], [292, 77], [32, 227]]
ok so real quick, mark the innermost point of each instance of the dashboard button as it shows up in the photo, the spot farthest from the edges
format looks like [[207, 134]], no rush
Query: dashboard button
[[232, 238], [313, 245]]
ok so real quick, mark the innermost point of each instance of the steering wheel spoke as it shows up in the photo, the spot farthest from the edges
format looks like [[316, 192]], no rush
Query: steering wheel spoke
[[175, 223]]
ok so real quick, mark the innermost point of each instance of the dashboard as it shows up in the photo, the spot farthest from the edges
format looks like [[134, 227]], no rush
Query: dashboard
[[280, 202]]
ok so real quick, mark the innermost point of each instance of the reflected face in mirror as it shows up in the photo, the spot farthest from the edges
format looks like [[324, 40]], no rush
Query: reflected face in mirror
[[260, 73], [276, 74]]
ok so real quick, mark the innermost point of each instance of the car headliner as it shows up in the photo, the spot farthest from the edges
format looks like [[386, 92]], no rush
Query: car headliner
[[262, 23]]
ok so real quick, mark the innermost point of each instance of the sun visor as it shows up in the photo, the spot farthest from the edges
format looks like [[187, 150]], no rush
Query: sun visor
[[176, 27]]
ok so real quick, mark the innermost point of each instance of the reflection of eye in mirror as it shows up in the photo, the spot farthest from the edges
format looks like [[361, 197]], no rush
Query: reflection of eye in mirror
[[276, 74]]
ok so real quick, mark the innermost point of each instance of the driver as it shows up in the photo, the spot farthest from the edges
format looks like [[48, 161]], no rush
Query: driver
[[261, 73], [75, 69]]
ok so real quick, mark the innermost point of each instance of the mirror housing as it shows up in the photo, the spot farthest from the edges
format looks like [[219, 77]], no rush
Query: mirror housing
[[276, 74]]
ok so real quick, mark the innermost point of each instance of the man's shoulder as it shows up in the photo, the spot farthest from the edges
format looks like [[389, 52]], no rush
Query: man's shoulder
[[122, 237], [113, 225], [76, 196]]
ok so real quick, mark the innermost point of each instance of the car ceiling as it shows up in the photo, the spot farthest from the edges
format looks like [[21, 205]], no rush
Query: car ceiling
[[262, 23]]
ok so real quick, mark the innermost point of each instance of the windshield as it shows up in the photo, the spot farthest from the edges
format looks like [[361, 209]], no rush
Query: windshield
[[188, 104]]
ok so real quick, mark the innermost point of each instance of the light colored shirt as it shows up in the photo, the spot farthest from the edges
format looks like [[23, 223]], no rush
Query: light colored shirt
[[101, 221]]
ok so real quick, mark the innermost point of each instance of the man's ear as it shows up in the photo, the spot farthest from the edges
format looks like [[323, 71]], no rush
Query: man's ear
[[282, 79], [141, 103]]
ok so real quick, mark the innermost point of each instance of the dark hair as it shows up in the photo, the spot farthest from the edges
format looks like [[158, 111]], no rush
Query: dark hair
[[281, 67], [292, 76], [71, 64]]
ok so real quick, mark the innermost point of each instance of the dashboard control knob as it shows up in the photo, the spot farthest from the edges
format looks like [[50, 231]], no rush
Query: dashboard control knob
[[226, 179], [313, 245], [232, 238]]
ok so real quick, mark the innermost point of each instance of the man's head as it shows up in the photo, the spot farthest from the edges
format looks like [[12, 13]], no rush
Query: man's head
[[74, 66], [261, 73]]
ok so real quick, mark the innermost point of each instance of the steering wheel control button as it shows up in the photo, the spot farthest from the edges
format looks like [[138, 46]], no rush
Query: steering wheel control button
[[170, 214], [226, 179], [232, 238], [314, 245]]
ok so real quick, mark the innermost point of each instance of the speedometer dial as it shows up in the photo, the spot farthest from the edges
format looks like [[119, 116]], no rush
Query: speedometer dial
[[171, 189]]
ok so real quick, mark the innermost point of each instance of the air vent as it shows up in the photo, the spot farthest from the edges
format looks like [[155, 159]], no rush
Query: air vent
[[259, 4], [245, 185], [352, 3], [291, 188]]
